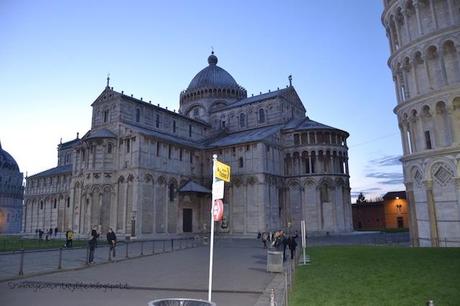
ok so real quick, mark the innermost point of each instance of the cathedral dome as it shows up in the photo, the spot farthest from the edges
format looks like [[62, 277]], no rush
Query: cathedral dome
[[212, 77], [212, 82], [7, 161]]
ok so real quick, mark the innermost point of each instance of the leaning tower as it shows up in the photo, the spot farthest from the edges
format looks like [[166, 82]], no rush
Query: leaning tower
[[424, 40]]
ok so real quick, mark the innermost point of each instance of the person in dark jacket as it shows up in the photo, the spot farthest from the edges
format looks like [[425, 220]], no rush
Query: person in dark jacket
[[92, 243], [112, 240], [292, 245]]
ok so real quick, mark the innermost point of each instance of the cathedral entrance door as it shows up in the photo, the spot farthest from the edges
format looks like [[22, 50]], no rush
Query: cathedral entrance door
[[187, 220]]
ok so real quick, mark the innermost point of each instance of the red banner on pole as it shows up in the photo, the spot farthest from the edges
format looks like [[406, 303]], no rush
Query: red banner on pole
[[218, 210]]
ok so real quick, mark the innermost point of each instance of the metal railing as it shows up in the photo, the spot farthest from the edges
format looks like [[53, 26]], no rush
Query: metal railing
[[23, 262]]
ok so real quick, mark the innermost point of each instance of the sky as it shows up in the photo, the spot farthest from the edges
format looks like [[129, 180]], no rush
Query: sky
[[55, 57]]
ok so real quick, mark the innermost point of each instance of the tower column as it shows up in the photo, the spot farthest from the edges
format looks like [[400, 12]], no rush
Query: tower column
[[432, 214], [413, 228], [417, 14], [433, 14]]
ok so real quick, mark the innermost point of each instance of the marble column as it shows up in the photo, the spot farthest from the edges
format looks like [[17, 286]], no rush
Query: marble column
[[432, 214]]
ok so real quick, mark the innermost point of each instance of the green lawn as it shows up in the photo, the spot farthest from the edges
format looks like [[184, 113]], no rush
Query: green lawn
[[13, 243], [362, 275]]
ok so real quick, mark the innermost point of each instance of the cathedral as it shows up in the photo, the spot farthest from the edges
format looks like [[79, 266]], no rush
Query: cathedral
[[146, 171], [11, 194]]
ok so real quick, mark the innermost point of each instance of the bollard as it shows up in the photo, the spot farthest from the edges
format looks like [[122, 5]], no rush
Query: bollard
[[172, 245], [430, 303], [60, 259], [110, 254], [87, 255], [272, 297], [153, 247], [126, 255], [142, 247], [164, 246], [21, 264]]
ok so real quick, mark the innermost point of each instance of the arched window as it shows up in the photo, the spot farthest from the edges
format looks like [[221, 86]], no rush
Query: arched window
[[242, 120], [138, 115], [157, 120], [240, 162], [106, 115], [261, 115], [171, 192], [324, 193], [109, 148]]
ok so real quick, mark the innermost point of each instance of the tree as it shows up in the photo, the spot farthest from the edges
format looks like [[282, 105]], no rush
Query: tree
[[361, 199]]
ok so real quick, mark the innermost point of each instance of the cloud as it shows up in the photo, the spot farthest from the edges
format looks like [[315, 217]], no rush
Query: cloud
[[389, 160], [385, 175], [387, 178]]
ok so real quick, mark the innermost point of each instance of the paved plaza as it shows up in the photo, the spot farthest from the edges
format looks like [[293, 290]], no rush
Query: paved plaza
[[239, 279]]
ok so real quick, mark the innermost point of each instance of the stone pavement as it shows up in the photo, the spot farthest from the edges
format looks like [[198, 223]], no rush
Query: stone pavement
[[240, 277]]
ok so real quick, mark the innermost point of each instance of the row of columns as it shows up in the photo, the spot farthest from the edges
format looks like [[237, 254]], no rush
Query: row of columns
[[49, 217], [313, 163], [401, 75], [442, 126], [392, 25]]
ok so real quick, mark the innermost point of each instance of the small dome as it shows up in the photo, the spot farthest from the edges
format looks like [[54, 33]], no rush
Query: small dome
[[7, 161], [212, 59], [212, 77]]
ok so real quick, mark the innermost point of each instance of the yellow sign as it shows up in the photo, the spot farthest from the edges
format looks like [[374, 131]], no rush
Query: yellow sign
[[222, 171]]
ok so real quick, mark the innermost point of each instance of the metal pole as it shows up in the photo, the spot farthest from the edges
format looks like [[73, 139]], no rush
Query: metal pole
[[211, 244], [285, 289], [126, 255], [60, 259], [87, 255], [153, 247], [110, 254], [21, 264], [272, 297], [142, 247], [172, 245]]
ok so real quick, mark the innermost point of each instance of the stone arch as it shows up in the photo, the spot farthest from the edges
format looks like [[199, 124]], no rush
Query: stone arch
[[161, 180], [442, 122], [148, 178], [252, 180], [451, 61]]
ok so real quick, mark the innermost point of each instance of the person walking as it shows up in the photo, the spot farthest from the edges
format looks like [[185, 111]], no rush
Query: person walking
[[112, 240], [68, 238], [292, 245], [284, 240], [92, 243], [265, 236]]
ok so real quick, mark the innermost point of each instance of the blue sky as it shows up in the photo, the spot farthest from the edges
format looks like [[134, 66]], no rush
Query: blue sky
[[55, 56]]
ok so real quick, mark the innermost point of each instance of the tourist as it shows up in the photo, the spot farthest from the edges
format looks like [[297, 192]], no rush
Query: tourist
[[112, 240], [68, 238], [92, 245], [284, 241], [55, 231], [265, 236], [292, 245], [40, 234]]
